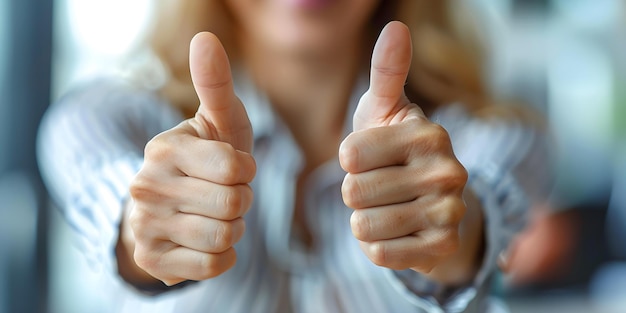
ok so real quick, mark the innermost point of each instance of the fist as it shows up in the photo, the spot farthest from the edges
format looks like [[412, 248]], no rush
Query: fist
[[192, 191], [403, 180]]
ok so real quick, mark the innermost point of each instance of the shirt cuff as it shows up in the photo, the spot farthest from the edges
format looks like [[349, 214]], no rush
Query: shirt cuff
[[96, 208]]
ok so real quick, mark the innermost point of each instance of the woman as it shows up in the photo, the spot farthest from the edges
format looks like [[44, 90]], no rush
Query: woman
[[296, 184]]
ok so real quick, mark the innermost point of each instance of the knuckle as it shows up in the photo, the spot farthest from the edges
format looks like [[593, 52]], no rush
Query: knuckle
[[378, 254], [212, 265], [161, 148], [433, 140], [223, 235], [151, 186], [360, 225], [145, 260], [457, 174], [463, 174], [349, 154], [148, 186], [232, 204], [228, 166], [236, 228], [458, 211], [140, 221], [439, 133], [450, 175], [207, 266], [136, 220], [140, 187], [455, 212], [448, 214], [247, 198], [351, 191]]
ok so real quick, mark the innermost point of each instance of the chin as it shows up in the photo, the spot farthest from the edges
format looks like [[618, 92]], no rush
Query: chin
[[313, 26], [310, 39]]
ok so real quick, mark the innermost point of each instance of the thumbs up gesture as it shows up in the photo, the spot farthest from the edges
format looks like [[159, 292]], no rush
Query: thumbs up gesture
[[403, 180], [192, 191]]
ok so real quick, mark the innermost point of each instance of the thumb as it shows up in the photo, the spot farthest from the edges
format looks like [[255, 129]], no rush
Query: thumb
[[221, 115], [391, 60]]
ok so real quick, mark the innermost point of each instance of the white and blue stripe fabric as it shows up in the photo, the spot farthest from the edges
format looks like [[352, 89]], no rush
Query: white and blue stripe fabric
[[91, 144]]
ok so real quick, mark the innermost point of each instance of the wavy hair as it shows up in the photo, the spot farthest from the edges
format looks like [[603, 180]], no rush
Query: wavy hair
[[447, 63]]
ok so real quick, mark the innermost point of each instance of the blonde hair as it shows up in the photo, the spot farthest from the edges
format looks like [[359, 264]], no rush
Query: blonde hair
[[446, 64]]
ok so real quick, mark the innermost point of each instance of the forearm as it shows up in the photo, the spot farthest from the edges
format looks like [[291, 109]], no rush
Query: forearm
[[461, 267]]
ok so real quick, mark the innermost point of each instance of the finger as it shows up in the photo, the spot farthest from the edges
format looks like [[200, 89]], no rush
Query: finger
[[212, 200], [386, 222], [375, 148], [215, 161], [388, 185], [391, 60], [220, 113], [205, 234], [179, 264], [406, 219], [412, 141], [419, 252]]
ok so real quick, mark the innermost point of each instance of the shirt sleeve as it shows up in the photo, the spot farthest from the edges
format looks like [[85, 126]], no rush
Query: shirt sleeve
[[508, 165], [90, 146]]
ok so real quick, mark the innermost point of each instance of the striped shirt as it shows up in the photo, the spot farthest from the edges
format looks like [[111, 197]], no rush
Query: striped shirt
[[91, 145]]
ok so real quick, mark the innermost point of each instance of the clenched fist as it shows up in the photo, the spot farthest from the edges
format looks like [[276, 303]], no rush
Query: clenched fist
[[403, 180], [192, 191]]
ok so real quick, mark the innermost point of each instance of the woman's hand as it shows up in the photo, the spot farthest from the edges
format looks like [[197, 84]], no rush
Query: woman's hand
[[404, 181], [191, 194]]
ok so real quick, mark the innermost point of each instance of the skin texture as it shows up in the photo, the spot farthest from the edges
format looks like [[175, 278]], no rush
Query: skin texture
[[403, 181], [288, 29], [193, 189]]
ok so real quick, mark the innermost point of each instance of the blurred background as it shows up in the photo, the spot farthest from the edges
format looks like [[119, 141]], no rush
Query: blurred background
[[565, 58]]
